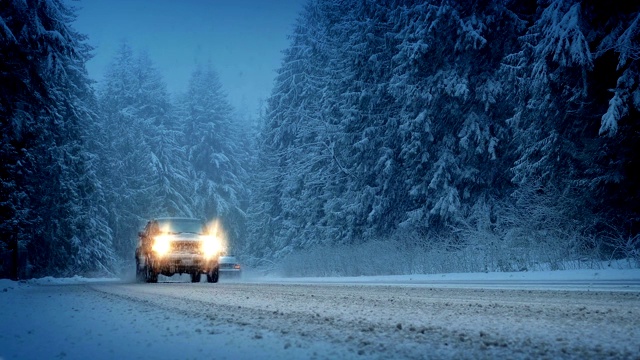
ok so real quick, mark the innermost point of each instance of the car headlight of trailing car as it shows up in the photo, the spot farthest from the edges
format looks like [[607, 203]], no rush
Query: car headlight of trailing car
[[161, 244], [210, 245]]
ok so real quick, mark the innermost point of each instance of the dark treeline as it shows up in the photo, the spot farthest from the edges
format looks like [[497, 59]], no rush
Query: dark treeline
[[489, 135], [51, 199], [504, 130]]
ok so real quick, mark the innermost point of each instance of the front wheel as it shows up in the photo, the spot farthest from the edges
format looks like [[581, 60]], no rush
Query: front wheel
[[195, 277], [152, 278], [212, 276], [140, 275], [149, 275]]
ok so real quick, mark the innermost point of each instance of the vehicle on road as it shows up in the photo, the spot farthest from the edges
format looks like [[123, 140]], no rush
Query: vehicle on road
[[176, 245], [230, 267]]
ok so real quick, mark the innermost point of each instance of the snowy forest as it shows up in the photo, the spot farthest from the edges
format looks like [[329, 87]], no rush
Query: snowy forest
[[399, 137]]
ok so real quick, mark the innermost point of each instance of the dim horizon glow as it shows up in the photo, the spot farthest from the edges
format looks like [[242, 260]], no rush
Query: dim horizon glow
[[242, 40]]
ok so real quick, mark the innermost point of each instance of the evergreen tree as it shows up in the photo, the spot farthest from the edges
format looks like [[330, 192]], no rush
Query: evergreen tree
[[403, 117], [212, 141], [49, 187], [147, 174], [566, 120], [447, 80], [616, 85]]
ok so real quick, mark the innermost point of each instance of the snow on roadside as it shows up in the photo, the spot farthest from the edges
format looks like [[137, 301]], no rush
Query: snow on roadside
[[50, 280], [612, 274], [558, 275]]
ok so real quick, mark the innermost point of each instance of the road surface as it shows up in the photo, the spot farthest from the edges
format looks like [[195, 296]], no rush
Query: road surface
[[335, 320]]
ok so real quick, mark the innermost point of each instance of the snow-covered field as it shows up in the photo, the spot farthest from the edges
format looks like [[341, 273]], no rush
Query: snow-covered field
[[507, 315]]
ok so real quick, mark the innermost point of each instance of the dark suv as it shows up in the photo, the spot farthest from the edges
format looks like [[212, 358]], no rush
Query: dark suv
[[174, 245]]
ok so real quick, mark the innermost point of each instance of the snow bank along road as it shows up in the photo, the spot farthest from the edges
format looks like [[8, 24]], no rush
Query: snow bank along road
[[315, 321]]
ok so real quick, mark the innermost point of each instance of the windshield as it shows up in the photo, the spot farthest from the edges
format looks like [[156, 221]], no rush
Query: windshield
[[178, 226]]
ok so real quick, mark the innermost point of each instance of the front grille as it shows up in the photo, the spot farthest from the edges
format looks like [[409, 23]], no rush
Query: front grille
[[227, 266], [185, 246]]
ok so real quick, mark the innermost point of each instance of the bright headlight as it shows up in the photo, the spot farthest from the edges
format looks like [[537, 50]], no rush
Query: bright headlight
[[162, 244], [210, 245]]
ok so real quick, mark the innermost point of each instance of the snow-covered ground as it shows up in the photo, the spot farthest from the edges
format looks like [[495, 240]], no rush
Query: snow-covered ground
[[80, 318], [580, 275], [601, 279], [51, 318]]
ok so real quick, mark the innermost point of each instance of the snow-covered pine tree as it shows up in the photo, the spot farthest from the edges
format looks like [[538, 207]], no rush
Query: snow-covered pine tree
[[615, 86], [439, 112], [123, 156], [303, 197], [373, 200], [212, 141], [447, 78], [566, 111], [263, 214], [558, 59], [146, 169], [49, 177], [172, 189]]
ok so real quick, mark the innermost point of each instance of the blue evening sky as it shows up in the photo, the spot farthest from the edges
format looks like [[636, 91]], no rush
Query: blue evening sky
[[242, 39]]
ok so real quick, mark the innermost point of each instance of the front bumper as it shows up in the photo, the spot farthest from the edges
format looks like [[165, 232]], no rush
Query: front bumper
[[183, 263]]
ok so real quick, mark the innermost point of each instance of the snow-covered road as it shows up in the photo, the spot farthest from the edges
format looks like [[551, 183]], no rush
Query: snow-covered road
[[276, 319]]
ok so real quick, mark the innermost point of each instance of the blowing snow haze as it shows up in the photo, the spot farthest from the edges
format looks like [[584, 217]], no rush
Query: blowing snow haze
[[241, 39]]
